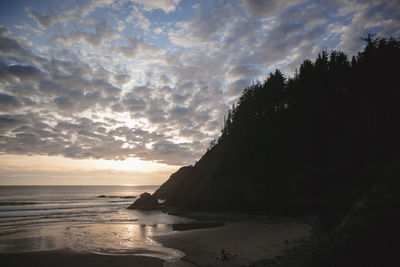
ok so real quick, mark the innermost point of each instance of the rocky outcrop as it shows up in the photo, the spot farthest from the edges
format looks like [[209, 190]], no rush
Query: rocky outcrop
[[191, 187], [173, 184], [145, 202]]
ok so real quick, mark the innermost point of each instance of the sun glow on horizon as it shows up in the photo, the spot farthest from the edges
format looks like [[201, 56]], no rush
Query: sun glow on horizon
[[38, 162], [130, 164], [58, 170]]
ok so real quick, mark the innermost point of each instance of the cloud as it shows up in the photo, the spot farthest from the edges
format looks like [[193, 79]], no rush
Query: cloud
[[77, 13], [133, 86], [165, 5], [122, 78], [134, 104], [136, 47], [139, 19], [85, 138], [157, 114], [180, 111], [20, 72], [103, 33], [237, 86], [245, 70], [8, 102], [158, 30], [209, 23], [44, 21], [259, 8], [77, 101], [380, 17], [15, 49]]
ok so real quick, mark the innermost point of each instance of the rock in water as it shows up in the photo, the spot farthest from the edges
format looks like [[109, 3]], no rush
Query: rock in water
[[145, 202]]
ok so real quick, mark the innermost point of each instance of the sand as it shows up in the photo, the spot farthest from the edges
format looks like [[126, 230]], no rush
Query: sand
[[67, 258], [253, 240]]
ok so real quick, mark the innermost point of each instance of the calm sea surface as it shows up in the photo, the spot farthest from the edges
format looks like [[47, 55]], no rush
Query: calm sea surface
[[34, 218]]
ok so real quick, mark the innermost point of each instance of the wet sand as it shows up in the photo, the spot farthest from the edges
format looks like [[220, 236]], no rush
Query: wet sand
[[68, 258], [253, 240]]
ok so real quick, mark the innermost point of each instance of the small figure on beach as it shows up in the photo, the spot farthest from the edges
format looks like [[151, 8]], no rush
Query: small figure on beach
[[223, 255], [227, 256]]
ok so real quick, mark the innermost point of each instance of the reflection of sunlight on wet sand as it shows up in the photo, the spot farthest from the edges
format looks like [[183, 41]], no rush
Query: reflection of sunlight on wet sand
[[124, 239], [107, 239]]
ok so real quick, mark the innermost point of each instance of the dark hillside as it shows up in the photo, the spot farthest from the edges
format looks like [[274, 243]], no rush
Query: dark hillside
[[311, 144]]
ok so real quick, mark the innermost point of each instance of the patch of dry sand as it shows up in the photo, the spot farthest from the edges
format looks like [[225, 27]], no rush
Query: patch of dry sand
[[252, 240]]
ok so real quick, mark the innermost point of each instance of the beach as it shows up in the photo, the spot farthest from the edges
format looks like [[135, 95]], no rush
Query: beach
[[91, 226], [81, 226], [250, 241]]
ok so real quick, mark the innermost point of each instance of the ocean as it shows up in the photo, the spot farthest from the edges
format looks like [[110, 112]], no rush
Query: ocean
[[82, 218]]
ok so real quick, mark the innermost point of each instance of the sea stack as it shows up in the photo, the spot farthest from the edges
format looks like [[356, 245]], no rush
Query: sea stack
[[145, 202]]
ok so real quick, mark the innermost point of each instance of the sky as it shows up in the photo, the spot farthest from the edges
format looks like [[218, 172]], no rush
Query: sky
[[125, 92]]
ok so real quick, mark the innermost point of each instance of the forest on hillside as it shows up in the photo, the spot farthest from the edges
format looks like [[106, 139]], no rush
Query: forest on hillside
[[304, 144], [324, 142]]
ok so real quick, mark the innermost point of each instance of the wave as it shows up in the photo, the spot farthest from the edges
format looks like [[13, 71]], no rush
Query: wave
[[78, 217], [59, 207], [119, 201], [50, 217], [19, 203], [55, 214], [46, 201], [124, 197]]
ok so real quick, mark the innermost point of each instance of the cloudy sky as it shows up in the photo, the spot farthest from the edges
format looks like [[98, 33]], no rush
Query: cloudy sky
[[125, 92]]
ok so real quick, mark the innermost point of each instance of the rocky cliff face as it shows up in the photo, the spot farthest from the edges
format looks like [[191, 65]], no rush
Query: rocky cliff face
[[145, 202], [173, 185]]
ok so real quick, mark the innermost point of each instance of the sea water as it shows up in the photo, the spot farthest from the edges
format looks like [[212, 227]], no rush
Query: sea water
[[82, 218]]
